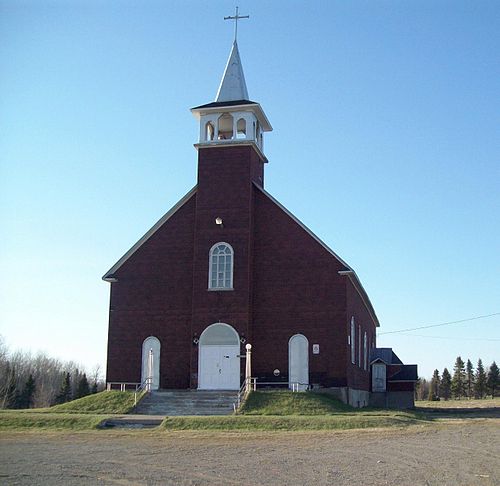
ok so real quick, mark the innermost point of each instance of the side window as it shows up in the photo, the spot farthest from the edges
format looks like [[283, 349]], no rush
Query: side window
[[359, 346], [353, 341], [365, 352], [220, 274]]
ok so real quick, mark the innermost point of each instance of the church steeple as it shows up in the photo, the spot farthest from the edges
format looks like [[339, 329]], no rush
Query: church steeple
[[232, 86], [232, 118]]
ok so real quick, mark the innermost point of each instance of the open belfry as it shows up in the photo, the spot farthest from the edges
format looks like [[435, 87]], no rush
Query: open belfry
[[228, 266]]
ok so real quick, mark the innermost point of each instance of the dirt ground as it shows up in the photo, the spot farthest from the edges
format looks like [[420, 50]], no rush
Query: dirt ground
[[457, 453]]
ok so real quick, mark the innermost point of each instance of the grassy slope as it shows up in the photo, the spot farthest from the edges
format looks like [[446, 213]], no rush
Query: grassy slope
[[85, 413], [282, 410], [103, 402], [288, 403], [20, 420]]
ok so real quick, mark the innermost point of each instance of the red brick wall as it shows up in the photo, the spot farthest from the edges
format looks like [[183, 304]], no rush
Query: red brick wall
[[297, 290], [153, 298], [285, 283], [357, 377]]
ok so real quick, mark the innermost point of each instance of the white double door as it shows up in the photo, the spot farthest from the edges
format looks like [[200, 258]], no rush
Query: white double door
[[219, 367]]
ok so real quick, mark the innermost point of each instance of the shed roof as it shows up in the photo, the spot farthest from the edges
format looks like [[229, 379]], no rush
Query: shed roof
[[386, 355]]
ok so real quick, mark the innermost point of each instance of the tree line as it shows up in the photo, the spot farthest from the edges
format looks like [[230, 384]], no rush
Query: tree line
[[466, 382], [33, 381]]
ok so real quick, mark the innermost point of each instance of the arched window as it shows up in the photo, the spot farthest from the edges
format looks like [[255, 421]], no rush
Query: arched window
[[241, 128], [209, 132], [365, 354], [221, 266], [353, 341], [359, 346], [225, 127]]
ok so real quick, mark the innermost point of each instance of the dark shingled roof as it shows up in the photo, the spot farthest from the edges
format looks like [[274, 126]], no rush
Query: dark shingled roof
[[407, 373], [387, 355], [216, 104]]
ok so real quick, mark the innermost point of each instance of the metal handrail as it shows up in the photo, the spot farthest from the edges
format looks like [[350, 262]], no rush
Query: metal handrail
[[294, 385], [145, 385], [250, 384], [123, 385]]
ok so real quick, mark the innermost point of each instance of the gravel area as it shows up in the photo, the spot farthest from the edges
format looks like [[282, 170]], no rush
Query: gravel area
[[459, 453]]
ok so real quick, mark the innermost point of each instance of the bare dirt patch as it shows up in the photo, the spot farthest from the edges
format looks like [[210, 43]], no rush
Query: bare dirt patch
[[456, 453]]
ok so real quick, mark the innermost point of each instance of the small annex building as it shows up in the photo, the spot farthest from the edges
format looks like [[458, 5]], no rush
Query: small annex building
[[229, 265]]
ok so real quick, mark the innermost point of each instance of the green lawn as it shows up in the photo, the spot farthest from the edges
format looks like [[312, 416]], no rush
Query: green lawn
[[103, 402], [294, 422], [464, 403], [82, 414], [289, 403], [31, 419], [284, 410]]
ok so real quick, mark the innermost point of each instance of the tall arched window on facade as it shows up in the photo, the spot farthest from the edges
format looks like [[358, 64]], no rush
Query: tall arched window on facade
[[359, 346], [220, 275], [353, 341], [365, 353]]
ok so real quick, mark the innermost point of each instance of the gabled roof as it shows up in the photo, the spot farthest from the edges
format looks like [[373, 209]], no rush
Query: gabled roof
[[109, 275], [232, 86], [348, 270], [386, 355]]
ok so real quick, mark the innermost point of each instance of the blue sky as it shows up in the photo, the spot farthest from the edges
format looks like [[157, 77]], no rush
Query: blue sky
[[386, 144]]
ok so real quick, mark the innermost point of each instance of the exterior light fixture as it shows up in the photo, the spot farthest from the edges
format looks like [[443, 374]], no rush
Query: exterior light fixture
[[196, 339], [218, 221]]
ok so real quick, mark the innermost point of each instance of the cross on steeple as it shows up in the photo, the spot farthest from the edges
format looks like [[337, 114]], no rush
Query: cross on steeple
[[235, 18]]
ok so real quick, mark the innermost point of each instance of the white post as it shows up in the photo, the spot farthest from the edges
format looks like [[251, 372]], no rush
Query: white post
[[150, 371], [248, 367]]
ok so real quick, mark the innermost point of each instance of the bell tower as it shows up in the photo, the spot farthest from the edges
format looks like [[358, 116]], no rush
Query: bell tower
[[230, 162], [232, 119]]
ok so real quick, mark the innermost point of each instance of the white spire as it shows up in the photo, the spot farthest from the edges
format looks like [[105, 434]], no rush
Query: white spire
[[232, 86]]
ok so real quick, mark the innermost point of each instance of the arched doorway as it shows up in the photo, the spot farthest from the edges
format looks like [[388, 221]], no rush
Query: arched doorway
[[151, 361], [218, 358], [298, 362]]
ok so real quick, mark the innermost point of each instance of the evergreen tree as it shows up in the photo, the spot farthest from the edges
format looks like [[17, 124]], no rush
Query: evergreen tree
[[434, 387], [25, 398], [445, 388], [469, 378], [83, 387], [480, 380], [64, 394], [493, 380], [458, 380]]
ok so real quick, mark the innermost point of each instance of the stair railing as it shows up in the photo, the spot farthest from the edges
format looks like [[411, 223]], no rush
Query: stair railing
[[250, 384], [144, 386]]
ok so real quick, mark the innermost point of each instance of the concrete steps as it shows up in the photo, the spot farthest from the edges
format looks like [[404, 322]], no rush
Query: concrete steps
[[187, 402]]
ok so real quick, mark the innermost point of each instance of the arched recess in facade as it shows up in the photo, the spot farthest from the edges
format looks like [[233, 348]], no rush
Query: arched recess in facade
[[218, 358], [151, 361]]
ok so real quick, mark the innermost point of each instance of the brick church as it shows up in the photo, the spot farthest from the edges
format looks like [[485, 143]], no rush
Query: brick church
[[229, 265]]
